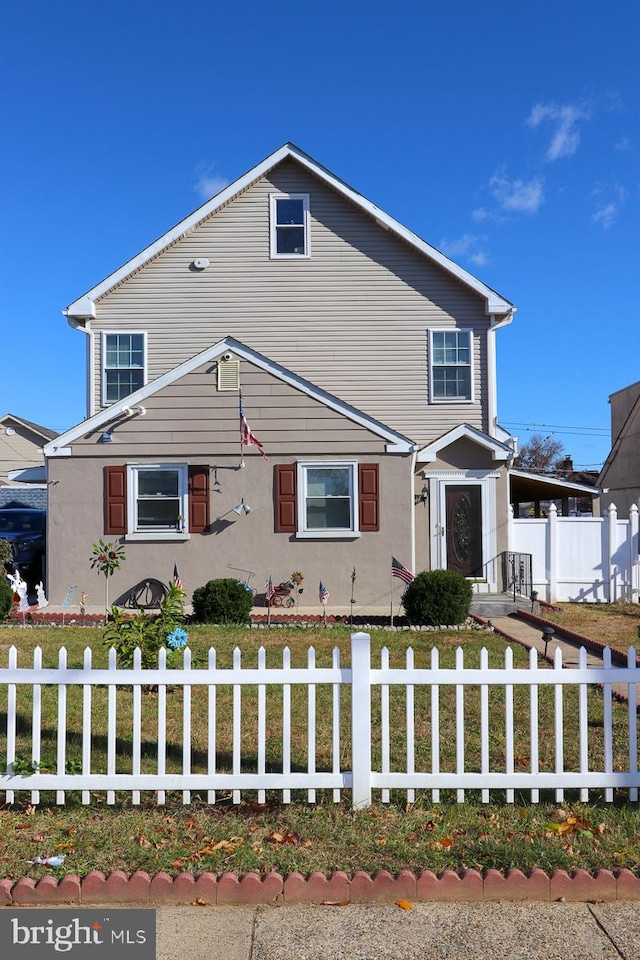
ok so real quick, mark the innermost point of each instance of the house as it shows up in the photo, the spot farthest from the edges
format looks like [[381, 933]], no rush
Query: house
[[620, 474], [365, 364], [21, 450]]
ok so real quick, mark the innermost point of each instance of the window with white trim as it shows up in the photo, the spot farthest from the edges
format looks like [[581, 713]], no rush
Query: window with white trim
[[450, 365], [289, 223], [158, 498], [123, 365], [328, 498]]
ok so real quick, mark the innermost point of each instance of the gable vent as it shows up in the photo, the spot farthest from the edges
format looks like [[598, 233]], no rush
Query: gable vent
[[229, 375]]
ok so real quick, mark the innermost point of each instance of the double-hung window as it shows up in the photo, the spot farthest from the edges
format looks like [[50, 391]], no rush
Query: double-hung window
[[123, 365], [450, 365], [289, 221], [327, 505], [158, 499]]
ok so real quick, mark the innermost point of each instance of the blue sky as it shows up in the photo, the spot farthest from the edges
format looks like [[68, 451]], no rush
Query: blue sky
[[506, 136]]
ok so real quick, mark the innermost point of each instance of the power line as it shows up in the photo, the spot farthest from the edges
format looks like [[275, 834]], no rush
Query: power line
[[560, 427]]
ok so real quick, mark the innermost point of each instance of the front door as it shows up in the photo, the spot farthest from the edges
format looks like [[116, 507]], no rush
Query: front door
[[464, 529]]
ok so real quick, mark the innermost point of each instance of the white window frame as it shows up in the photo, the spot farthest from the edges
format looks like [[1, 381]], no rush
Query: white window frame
[[103, 361], [469, 332], [144, 533], [273, 226], [332, 533]]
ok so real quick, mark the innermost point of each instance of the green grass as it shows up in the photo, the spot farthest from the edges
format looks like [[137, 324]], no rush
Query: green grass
[[298, 836]]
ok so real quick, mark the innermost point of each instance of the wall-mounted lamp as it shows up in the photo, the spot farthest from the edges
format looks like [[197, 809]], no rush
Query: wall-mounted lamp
[[242, 508], [106, 437], [423, 496]]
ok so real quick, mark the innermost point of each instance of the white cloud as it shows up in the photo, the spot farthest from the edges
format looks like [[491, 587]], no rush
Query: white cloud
[[564, 118], [208, 183], [517, 196], [480, 214], [623, 144], [468, 246], [608, 208], [606, 215]]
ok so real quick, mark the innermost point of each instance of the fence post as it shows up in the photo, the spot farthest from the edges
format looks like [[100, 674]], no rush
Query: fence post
[[633, 554], [552, 553], [612, 541], [361, 719]]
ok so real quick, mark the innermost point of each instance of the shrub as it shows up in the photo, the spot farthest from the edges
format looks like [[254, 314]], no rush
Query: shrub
[[222, 601], [6, 598], [438, 598], [149, 633]]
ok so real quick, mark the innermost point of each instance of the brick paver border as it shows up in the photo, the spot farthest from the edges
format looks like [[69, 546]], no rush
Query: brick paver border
[[334, 888]]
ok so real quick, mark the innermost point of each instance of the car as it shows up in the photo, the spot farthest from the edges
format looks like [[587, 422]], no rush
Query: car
[[25, 528]]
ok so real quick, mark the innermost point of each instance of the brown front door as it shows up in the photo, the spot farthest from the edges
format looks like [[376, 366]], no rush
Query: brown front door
[[464, 529]]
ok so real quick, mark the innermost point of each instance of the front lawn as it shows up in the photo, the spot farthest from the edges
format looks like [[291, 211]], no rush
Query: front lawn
[[260, 837]]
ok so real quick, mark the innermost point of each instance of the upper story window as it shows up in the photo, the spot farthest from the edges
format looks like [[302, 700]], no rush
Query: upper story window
[[123, 365], [450, 365], [289, 219]]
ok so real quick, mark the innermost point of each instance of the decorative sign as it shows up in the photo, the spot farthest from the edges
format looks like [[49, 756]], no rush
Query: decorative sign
[[66, 603]]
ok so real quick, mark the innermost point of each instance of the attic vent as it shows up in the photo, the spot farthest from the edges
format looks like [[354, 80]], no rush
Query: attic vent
[[229, 375]]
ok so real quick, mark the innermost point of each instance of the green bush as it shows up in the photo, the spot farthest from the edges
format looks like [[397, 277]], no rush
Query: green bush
[[438, 598], [222, 601], [6, 597]]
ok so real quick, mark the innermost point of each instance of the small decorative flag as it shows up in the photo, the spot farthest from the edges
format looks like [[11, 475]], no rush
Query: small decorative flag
[[247, 436], [323, 593], [353, 576], [269, 591], [176, 577], [398, 570]]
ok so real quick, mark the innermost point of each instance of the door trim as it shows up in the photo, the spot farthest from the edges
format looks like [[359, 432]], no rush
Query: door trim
[[438, 481]]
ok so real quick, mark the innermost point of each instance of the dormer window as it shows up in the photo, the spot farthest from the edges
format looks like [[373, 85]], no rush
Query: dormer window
[[289, 219], [123, 365]]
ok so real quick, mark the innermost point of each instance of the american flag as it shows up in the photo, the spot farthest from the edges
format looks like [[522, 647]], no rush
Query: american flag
[[269, 590], [176, 577], [247, 436], [398, 570], [323, 593]]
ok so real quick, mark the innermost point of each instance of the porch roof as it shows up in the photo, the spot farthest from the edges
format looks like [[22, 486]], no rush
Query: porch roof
[[525, 487]]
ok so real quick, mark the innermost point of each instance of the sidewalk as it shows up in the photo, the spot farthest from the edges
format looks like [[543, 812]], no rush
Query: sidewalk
[[446, 931]]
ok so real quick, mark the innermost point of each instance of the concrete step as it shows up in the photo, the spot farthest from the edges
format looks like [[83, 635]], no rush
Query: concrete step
[[495, 604]]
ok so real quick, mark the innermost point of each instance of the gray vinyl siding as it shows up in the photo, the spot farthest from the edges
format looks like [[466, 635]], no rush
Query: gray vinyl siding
[[19, 450], [352, 319], [190, 418]]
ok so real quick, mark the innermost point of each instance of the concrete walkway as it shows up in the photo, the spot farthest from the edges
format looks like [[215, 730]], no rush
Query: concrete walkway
[[514, 628], [446, 931]]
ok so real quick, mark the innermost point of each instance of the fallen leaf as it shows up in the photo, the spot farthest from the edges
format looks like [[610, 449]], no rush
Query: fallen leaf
[[446, 843], [404, 904], [336, 903], [199, 902], [178, 864]]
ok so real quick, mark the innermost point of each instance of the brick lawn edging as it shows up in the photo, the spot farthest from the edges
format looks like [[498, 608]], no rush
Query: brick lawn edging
[[578, 886]]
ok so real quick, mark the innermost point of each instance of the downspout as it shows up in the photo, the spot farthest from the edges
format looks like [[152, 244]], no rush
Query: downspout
[[414, 457], [84, 325], [492, 370]]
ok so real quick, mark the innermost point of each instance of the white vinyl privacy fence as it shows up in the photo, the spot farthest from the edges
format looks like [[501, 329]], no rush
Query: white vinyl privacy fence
[[589, 559], [364, 728]]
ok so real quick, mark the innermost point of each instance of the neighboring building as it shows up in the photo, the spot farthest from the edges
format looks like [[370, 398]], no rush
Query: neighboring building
[[366, 361], [21, 450], [620, 475]]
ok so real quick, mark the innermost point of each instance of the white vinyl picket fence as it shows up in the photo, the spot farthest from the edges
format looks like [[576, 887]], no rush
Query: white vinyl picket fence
[[359, 727]]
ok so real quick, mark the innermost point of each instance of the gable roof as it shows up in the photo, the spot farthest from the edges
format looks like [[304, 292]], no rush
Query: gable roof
[[43, 432], [498, 450], [396, 442], [82, 310]]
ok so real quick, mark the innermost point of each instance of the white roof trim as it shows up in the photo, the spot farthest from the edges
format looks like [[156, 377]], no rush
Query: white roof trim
[[556, 481], [396, 442], [84, 307], [499, 451]]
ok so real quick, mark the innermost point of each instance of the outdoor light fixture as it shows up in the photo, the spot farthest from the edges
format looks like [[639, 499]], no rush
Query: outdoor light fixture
[[242, 508], [106, 437], [423, 496]]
